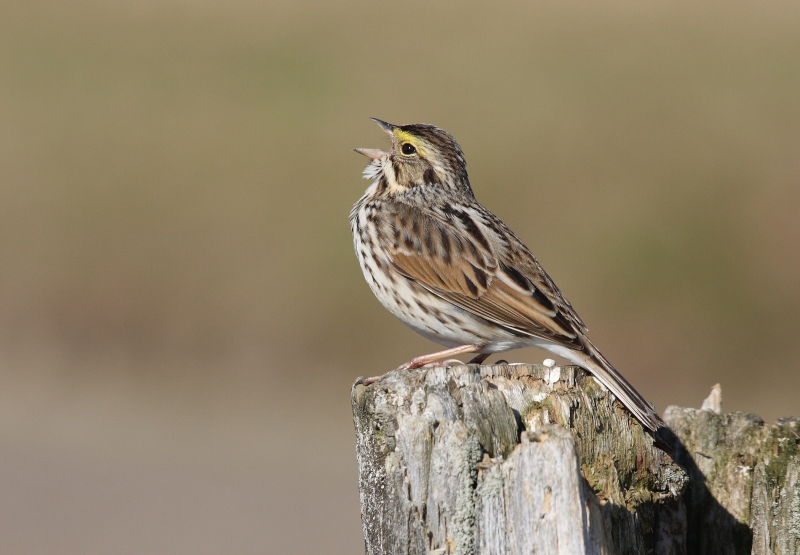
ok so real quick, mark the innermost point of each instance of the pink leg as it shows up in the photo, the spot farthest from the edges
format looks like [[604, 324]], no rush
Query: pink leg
[[421, 361]]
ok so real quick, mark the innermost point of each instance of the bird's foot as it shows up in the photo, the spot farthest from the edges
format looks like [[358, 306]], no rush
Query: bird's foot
[[425, 360], [370, 380], [441, 363]]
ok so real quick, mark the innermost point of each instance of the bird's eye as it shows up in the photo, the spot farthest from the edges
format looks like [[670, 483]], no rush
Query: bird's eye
[[408, 149]]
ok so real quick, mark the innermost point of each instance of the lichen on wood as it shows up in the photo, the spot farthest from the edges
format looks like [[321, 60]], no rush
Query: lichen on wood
[[479, 460], [744, 490]]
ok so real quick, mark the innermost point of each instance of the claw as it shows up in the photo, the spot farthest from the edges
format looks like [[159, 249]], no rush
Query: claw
[[368, 381]]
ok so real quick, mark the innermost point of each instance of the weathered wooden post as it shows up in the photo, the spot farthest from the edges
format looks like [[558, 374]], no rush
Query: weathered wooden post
[[519, 459]]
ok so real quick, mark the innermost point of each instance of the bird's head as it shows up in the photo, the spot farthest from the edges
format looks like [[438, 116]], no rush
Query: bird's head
[[421, 155]]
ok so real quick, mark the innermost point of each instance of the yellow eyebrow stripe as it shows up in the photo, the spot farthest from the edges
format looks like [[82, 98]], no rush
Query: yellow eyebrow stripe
[[404, 137]]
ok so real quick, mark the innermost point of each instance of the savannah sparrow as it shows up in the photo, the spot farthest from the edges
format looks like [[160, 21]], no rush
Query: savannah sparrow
[[453, 272]]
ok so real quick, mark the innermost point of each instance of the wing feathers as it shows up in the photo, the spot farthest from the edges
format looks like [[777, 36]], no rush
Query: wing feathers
[[481, 274]]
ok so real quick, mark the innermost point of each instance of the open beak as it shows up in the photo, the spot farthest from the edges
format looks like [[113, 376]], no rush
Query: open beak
[[374, 153], [388, 127]]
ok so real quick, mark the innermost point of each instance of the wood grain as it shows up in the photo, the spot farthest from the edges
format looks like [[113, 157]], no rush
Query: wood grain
[[519, 459]]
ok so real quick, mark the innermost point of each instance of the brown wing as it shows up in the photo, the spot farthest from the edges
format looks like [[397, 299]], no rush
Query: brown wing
[[471, 259]]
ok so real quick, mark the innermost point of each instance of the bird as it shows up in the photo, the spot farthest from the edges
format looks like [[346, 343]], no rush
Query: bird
[[454, 272]]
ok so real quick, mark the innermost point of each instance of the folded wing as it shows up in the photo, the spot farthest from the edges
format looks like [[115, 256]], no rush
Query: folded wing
[[482, 269]]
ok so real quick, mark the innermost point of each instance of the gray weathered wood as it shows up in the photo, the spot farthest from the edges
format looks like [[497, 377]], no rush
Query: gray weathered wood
[[527, 459], [743, 494], [534, 501]]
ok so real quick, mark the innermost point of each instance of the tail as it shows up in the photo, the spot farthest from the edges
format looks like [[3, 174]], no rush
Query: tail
[[592, 360]]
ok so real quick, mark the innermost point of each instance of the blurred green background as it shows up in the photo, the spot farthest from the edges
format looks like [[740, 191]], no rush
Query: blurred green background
[[181, 312]]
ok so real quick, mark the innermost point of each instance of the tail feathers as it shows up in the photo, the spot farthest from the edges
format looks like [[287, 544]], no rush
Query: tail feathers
[[601, 369]]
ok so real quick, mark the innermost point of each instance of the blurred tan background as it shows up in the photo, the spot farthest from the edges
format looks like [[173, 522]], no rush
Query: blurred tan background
[[181, 312]]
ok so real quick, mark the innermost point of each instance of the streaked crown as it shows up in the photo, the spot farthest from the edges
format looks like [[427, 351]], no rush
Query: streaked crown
[[423, 155]]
